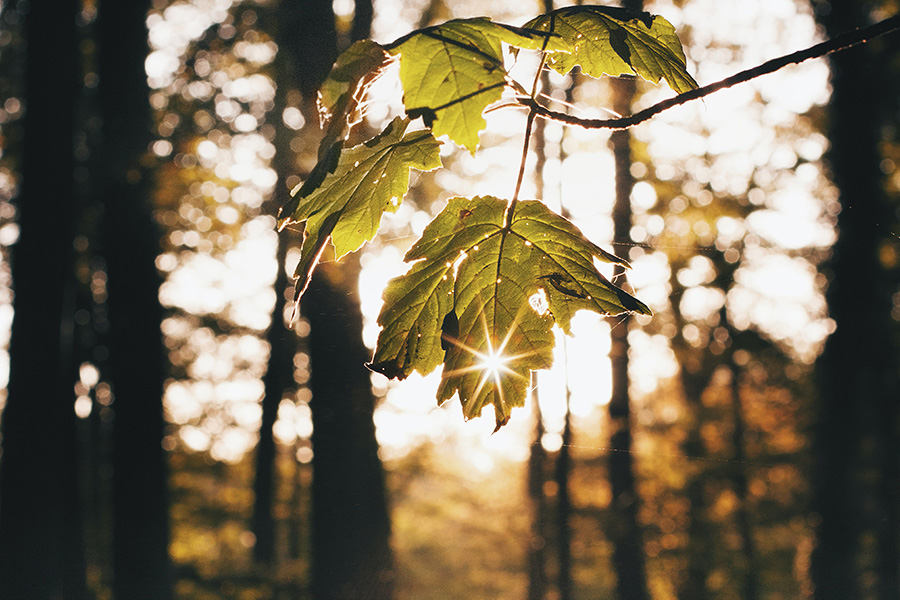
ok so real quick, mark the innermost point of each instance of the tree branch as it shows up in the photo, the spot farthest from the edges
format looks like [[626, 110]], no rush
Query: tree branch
[[841, 42]]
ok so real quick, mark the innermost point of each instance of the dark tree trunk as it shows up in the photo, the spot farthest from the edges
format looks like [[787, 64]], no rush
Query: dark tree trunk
[[363, 14], [278, 379], [625, 533], [350, 538], [537, 477], [131, 243], [888, 453], [308, 27], [303, 61], [700, 535], [41, 539], [564, 511], [351, 527], [857, 371], [741, 487], [282, 340]]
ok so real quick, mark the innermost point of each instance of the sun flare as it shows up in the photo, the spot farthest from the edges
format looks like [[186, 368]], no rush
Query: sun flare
[[493, 363]]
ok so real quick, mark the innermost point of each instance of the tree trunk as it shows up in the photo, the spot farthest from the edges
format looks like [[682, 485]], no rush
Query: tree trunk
[[350, 538], [277, 380], [537, 477], [563, 461], [700, 535], [131, 243], [564, 510], [858, 369], [282, 340], [625, 533], [293, 58], [351, 527], [363, 14], [888, 552], [41, 539], [745, 528]]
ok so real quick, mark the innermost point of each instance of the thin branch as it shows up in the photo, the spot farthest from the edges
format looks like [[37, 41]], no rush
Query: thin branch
[[841, 42], [521, 176], [532, 113]]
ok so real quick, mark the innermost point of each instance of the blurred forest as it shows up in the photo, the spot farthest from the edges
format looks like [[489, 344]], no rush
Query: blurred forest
[[170, 429]]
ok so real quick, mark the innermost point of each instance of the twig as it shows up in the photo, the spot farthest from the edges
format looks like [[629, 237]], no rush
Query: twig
[[841, 42], [532, 113], [519, 179]]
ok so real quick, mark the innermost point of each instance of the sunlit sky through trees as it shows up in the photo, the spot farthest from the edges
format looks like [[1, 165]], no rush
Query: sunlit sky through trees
[[753, 144]]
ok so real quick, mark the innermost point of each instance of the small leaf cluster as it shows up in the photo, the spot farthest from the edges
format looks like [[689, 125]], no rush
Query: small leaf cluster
[[489, 277]]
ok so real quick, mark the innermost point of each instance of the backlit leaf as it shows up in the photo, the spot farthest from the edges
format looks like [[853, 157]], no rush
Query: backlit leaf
[[453, 71], [356, 189], [342, 92], [482, 296], [617, 41]]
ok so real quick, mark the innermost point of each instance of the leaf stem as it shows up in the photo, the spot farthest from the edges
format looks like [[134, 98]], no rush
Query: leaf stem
[[841, 42], [532, 113], [528, 127]]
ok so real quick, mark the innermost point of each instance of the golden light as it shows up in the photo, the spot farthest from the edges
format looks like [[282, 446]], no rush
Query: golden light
[[492, 363]]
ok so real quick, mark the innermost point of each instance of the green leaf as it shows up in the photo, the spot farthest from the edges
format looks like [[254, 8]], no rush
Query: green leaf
[[342, 92], [453, 71], [482, 296], [617, 41], [358, 187]]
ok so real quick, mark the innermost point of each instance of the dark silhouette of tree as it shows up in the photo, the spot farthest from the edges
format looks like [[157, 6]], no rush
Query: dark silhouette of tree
[[282, 340], [624, 532], [856, 434], [537, 477], [351, 554], [130, 245], [750, 586], [700, 533], [363, 14], [41, 516], [293, 58], [41, 551], [351, 528], [561, 471], [278, 378]]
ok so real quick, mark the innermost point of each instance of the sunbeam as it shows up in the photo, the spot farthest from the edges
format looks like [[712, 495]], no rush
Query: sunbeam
[[490, 361]]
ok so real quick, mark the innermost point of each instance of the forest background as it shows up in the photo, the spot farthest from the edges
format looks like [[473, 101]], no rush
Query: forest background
[[166, 435]]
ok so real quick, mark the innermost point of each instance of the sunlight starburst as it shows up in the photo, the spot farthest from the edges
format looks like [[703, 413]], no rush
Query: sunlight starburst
[[492, 362]]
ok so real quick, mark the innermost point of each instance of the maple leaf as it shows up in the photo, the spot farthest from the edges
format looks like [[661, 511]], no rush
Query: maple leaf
[[347, 193], [451, 72], [488, 281], [605, 40], [344, 90]]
